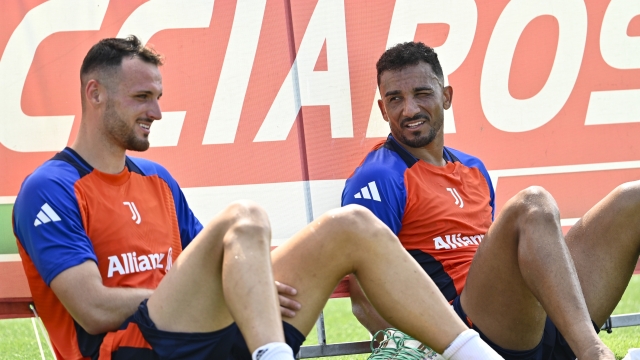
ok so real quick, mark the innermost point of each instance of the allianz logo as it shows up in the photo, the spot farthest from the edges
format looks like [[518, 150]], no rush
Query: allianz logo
[[131, 263], [456, 241]]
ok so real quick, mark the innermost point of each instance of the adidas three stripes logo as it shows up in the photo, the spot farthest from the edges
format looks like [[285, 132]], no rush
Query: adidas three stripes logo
[[368, 192], [46, 215]]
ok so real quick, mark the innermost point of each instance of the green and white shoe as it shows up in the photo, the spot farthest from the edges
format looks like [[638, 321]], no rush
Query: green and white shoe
[[400, 346]]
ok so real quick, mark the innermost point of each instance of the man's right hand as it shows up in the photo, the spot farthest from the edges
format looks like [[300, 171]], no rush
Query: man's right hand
[[288, 306]]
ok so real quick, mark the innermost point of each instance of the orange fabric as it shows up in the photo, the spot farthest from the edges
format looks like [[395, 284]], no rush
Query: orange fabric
[[130, 337], [129, 254], [435, 224], [114, 235], [56, 319]]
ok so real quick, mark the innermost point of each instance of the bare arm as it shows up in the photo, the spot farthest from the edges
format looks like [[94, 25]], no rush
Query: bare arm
[[363, 310], [95, 307]]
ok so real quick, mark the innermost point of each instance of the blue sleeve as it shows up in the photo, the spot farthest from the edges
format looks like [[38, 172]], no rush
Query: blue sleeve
[[380, 190], [188, 224], [48, 223]]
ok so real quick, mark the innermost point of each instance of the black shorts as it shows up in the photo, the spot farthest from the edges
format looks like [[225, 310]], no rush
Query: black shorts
[[139, 338], [553, 346]]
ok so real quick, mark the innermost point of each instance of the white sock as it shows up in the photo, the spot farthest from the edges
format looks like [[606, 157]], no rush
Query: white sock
[[273, 351], [469, 346]]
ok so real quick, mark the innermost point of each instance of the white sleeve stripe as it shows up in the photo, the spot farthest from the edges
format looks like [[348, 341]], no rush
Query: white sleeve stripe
[[365, 193], [43, 217], [49, 211], [374, 191]]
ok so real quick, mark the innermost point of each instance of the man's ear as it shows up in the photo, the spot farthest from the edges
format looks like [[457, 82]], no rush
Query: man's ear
[[94, 92], [447, 93], [383, 110]]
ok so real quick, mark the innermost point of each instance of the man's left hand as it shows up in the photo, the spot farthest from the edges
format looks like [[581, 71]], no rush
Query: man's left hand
[[288, 306]]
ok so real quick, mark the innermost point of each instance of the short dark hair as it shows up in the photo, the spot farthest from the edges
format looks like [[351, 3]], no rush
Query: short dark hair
[[108, 54], [407, 54]]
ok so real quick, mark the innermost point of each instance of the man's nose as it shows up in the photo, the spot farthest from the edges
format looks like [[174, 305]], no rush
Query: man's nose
[[410, 108], [154, 112]]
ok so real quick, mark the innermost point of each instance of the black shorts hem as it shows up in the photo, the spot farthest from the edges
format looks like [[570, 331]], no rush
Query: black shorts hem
[[227, 343], [551, 346]]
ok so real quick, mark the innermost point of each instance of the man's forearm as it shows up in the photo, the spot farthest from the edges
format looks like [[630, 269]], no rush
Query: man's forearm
[[108, 313], [95, 307]]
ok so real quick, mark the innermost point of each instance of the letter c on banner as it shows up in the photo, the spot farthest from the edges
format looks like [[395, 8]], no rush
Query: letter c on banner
[[18, 131], [513, 115], [152, 17]]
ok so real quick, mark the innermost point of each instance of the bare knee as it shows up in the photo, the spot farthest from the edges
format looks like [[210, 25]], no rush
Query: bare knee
[[536, 205], [248, 223], [627, 196], [357, 223]]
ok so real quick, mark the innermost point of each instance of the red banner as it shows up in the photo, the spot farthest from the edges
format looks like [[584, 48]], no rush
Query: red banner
[[275, 91]]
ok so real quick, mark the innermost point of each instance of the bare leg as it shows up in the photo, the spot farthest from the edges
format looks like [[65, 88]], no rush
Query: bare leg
[[352, 240], [363, 310], [224, 275], [522, 271], [605, 245]]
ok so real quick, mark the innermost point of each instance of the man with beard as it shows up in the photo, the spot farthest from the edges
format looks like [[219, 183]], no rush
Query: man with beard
[[528, 291], [119, 267]]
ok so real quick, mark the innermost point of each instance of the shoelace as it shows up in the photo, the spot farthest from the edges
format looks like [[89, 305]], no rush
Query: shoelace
[[385, 350], [397, 349]]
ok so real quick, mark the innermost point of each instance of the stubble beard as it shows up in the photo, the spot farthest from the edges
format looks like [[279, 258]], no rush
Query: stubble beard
[[418, 141], [121, 132]]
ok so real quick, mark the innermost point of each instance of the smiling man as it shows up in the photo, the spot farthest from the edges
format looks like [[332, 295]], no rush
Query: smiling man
[[530, 293], [120, 268]]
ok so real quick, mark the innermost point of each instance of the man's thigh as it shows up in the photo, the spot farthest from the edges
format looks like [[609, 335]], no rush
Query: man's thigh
[[307, 263], [338, 243], [497, 298], [604, 245], [190, 296]]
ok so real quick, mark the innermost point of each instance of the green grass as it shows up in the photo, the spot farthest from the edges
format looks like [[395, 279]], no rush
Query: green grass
[[342, 326], [17, 340], [7, 240], [621, 340]]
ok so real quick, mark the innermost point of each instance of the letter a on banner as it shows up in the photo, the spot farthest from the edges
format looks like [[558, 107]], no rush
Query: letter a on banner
[[303, 86], [18, 131], [462, 17], [155, 16]]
